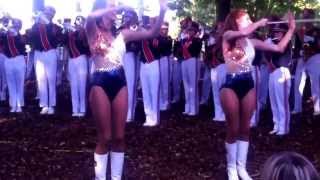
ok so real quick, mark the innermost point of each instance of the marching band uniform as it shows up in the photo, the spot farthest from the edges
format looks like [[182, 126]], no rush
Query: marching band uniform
[[15, 68], [308, 63], [191, 48], [218, 74], [131, 69], [176, 74], [165, 46], [150, 80], [206, 83], [279, 89], [205, 72], [256, 74], [3, 81], [44, 40], [78, 69]]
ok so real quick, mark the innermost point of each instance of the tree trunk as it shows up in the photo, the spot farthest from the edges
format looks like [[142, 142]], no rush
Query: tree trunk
[[223, 9]]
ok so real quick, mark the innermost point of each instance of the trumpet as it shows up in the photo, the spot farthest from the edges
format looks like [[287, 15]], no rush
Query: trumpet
[[297, 21]]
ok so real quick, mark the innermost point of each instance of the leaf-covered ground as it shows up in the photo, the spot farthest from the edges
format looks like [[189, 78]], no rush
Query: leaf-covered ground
[[60, 147]]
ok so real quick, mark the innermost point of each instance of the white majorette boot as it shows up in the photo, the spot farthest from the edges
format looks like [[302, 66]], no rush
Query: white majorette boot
[[117, 159], [232, 161], [100, 168], [242, 152]]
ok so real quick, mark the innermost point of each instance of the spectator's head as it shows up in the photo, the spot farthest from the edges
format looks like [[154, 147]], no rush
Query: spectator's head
[[289, 166]]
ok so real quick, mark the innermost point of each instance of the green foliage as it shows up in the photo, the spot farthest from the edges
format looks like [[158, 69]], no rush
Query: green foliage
[[262, 8], [204, 11]]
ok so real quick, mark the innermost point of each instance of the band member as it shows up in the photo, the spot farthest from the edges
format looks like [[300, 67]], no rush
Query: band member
[[256, 75], [4, 22], [150, 79], [238, 96], [308, 63], [15, 64], [280, 83], [218, 72], [3, 81], [44, 37], [176, 74], [191, 48], [108, 94], [165, 47], [78, 47], [131, 63], [205, 69]]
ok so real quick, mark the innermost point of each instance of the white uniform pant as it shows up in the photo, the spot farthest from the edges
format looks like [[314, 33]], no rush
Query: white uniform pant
[[3, 81], [218, 78], [176, 78], [15, 73], [164, 82], [206, 85], [257, 81], [279, 91], [46, 72], [131, 67], [78, 71], [311, 67], [150, 83], [189, 69]]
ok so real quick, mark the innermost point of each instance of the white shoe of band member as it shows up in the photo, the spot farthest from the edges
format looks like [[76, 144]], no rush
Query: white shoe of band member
[[129, 120], [117, 159], [13, 109], [100, 167], [242, 152], [50, 110], [150, 123], [232, 161], [19, 110], [275, 129], [316, 113], [82, 114], [281, 133], [147, 122], [295, 112], [219, 119], [44, 110], [75, 114]]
